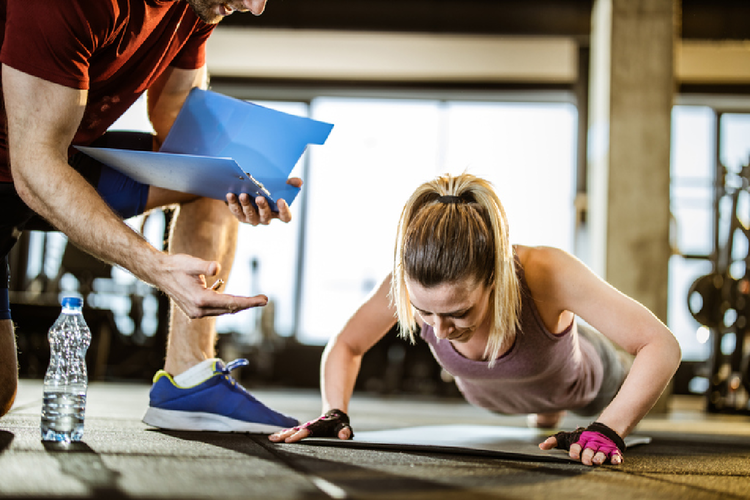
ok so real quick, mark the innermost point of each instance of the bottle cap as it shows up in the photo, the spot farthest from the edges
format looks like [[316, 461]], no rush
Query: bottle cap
[[72, 302]]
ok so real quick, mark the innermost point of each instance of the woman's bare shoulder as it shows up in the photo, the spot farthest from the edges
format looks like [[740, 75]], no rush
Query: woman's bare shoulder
[[541, 259], [543, 266], [545, 271]]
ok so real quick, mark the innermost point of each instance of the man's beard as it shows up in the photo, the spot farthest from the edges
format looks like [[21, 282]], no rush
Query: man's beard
[[205, 11]]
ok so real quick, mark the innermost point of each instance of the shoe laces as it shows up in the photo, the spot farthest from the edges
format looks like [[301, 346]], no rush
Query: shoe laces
[[232, 365]]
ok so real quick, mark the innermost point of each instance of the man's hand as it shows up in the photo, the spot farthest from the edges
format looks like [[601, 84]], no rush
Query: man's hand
[[185, 282], [243, 209]]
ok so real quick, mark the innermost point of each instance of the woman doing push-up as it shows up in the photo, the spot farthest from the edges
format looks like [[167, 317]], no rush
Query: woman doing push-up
[[502, 319]]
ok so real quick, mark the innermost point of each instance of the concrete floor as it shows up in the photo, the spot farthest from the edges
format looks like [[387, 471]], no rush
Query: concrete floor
[[693, 456]]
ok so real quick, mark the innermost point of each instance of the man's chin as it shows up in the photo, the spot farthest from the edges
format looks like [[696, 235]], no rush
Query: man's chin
[[208, 16]]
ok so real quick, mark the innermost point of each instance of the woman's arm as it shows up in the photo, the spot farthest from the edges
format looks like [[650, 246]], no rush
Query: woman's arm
[[342, 356], [564, 283]]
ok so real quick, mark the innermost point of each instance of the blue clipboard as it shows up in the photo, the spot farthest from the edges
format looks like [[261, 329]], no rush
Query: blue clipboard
[[219, 145]]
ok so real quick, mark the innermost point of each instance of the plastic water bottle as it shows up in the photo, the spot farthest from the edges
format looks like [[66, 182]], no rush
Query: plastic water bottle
[[66, 380]]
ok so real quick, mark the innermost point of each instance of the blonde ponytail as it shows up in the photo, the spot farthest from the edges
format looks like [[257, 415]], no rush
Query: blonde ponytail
[[451, 229]]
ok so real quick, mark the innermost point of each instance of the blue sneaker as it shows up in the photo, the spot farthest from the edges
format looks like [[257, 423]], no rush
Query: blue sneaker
[[217, 404]]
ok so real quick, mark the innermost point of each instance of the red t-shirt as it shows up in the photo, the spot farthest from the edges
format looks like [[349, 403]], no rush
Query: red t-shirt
[[115, 49]]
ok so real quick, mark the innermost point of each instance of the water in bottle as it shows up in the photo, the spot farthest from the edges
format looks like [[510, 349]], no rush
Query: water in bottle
[[66, 380]]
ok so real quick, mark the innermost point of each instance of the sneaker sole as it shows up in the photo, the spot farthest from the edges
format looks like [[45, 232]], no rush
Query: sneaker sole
[[199, 421]]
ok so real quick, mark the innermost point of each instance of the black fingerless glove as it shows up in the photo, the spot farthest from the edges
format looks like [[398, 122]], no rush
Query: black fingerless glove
[[329, 424], [566, 438]]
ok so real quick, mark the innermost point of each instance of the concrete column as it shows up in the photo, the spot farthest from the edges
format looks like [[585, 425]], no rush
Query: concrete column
[[630, 105]]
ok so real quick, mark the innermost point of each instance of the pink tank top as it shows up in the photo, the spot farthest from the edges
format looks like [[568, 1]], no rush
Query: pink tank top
[[540, 373]]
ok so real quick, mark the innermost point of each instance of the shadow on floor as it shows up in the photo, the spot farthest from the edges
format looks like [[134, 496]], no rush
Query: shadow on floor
[[350, 480], [78, 460], [6, 438]]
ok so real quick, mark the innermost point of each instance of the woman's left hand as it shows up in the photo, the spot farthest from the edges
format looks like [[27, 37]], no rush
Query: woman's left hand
[[595, 445]]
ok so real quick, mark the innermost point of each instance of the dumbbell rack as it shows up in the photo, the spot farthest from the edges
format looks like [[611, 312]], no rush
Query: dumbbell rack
[[720, 300]]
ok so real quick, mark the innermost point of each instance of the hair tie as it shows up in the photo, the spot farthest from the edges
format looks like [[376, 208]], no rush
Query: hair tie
[[447, 199]]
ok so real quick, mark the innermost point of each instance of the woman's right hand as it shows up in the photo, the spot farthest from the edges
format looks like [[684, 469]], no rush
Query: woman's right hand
[[334, 423]]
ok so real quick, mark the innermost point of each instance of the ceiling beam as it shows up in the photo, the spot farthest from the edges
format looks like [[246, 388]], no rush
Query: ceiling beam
[[492, 17], [701, 19]]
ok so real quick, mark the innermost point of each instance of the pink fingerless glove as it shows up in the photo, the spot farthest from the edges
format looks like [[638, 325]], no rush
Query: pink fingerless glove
[[598, 443], [600, 438], [597, 437]]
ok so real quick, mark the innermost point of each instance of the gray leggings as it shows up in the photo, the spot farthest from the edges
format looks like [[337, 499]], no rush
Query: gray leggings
[[616, 363]]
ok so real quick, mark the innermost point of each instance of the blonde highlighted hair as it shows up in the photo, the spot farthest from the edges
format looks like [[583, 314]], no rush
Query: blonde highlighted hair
[[451, 229]]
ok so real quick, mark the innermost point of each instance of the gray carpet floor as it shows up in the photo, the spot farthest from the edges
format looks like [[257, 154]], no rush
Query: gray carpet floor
[[692, 455]]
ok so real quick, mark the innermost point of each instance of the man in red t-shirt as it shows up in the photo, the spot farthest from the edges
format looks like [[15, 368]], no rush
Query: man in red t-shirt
[[69, 70]]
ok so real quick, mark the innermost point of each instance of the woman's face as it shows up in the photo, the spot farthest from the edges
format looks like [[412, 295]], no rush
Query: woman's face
[[454, 310]]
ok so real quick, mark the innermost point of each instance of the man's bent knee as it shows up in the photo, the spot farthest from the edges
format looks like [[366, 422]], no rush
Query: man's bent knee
[[8, 388], [8, 366]]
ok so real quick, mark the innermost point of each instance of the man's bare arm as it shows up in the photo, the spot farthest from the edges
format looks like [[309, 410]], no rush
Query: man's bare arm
[[167, 95], [42, 120]]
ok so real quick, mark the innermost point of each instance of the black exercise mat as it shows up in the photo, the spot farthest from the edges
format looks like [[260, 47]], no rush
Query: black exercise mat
[[519, 443]]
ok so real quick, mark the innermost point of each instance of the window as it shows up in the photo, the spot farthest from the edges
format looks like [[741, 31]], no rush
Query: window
[[319, 268], [692, 197], [380, 150], [700, 135], [266, 260]]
